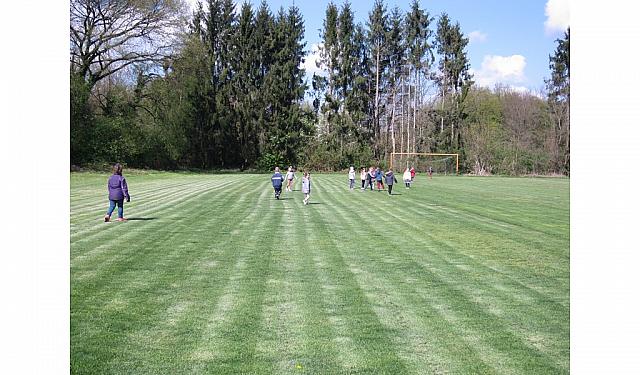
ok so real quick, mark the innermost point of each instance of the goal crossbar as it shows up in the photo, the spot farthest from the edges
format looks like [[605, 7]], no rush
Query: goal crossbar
[[421, 154]]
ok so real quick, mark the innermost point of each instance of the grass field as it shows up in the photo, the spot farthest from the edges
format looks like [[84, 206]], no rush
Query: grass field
[[457, 275]]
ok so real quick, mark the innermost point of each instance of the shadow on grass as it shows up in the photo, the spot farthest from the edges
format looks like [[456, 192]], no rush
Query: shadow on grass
[[315, 203], [141, 218]]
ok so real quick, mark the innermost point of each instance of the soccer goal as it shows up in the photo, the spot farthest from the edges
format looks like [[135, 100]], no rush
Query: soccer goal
[[440, 163]]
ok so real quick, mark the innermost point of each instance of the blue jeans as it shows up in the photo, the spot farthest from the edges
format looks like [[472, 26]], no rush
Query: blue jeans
[[112, 206]]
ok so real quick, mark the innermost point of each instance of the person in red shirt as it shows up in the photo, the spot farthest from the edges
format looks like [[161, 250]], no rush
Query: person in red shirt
[[413, 173]]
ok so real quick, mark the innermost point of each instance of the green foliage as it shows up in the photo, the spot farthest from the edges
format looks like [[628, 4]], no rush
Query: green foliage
[[232, 95], [81, 121], [558, 88], [268, 162]]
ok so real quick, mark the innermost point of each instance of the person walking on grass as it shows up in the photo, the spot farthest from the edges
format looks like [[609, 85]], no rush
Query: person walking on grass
[[406, 177], [352, 178], [118, 191], [290, 177], [430, 172], [306, 187], [379, 182], [371, 175], [363, 176], [390, 179], [276, 181], [413, 173]]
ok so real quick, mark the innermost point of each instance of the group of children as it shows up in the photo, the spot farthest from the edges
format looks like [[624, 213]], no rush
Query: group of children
[[366, 176], [277, 179], [118, 190]]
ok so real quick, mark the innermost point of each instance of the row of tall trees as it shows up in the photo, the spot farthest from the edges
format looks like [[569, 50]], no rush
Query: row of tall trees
[[154, 85], [228, 95], [377, 78], [410, 72]]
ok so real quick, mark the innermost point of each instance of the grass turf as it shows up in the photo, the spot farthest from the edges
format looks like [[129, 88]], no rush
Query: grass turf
[[211, 274]]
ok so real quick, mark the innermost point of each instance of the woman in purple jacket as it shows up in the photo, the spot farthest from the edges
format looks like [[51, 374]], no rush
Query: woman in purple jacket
[[118, 191]]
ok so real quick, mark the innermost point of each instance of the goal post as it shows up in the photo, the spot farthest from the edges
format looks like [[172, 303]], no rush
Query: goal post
[[441, 162]]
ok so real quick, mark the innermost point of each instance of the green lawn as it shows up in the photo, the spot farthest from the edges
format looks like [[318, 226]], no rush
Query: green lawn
[[457, 275]]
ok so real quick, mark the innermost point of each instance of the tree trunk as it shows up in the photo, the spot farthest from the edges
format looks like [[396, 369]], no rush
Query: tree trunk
[[415, 108], [408, 113], [376, 113], [402, 118], [393, 120]]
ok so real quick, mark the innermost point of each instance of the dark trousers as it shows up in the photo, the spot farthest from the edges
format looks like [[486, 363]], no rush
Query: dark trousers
[[390, 187]]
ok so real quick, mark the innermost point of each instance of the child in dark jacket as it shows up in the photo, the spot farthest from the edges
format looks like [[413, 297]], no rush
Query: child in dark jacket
[[390, 179], [118, 191], [379, 179], [371, 175], [276, 181]]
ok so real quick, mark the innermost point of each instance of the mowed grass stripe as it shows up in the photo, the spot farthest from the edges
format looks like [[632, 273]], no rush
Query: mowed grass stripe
[[408, 236], [229, 342], [131, 246], [92, 217], [488, 248], [146, 210], [154, 286], [152, 217], [220, 273], [517, 241], [498, 196], [292, 319], [353, 283], [141, 188], [375, 349], [423, 349], [148, 198]]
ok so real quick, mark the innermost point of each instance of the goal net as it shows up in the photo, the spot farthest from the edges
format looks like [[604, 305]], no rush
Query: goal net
[[440, 163]]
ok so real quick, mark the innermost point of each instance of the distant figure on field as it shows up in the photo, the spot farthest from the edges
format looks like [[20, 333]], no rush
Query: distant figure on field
[[371, 175], [379, 182], [413, 173], [430, 171], [306, 187], [406, 177], [276, 181], [390, 179], [118, 191], [290, 177], [363, 176], [352, 178]]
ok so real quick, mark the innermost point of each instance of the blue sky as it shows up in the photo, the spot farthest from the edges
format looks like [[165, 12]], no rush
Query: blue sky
[[509, 40]]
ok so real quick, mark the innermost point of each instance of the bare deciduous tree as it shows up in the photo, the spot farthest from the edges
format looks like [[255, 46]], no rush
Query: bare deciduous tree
[[107, 36]]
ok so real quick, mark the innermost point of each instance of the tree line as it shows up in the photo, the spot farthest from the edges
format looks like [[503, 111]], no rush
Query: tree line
[[154, 86]]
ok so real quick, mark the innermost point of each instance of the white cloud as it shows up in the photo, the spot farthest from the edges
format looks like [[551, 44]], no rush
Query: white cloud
[[193, 4], [557, 12], [477, 36], [507, 70], [310, 61]]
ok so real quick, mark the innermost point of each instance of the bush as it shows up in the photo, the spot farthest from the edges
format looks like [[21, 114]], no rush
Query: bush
[[268, 162]]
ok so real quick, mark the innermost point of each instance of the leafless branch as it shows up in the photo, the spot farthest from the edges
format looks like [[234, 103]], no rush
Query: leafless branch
[[107, 36]]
